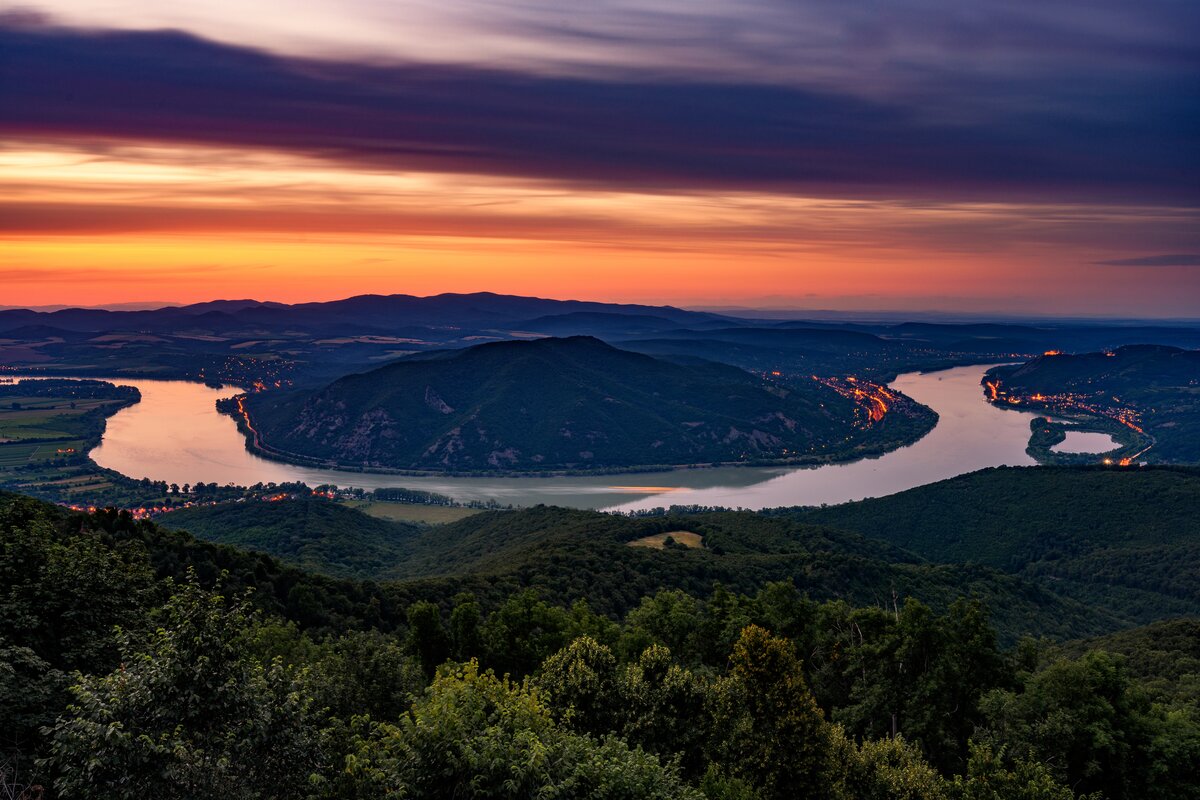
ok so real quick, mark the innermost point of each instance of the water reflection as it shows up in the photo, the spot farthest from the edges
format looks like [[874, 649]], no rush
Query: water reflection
[[1086, 442], [176, 435]]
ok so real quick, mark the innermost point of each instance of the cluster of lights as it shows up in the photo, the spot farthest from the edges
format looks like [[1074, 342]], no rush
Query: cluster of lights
[[873, 399]]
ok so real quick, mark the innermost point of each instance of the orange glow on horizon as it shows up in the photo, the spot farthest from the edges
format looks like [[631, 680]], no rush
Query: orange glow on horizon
[[173, 224]]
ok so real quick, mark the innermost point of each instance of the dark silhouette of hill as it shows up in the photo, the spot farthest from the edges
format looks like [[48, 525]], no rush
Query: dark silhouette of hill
[[574, 403], [1153, 389]]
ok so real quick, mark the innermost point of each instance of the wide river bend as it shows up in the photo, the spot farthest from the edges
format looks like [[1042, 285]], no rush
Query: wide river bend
[[176, 435]]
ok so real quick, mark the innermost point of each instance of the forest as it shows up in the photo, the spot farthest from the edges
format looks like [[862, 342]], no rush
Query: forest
[[140, 661]]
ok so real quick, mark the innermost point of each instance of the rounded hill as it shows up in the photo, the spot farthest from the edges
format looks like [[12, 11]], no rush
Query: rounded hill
[[553, 404]]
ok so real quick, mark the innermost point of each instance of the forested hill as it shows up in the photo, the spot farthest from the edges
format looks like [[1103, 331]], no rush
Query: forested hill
[[1120, 538], [315, 535], [1153, 390], [568, 555], [1059, 552], [133, 664], [574, 403]]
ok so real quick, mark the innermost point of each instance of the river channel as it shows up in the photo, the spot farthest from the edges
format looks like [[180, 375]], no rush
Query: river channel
[[176, 435]]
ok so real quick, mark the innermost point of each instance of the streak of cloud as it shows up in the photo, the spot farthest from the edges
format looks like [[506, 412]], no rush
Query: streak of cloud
[[1165, 260], [640, 135]]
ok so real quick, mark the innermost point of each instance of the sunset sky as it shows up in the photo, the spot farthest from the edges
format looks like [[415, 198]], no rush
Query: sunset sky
[[1000, 156]]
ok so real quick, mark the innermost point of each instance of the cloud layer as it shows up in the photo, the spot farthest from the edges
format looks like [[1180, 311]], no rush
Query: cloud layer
[[1072, 141], [1166, 260]]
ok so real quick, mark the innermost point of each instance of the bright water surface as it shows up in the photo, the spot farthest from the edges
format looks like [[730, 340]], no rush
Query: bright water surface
[[176, 435], [1086, 442]]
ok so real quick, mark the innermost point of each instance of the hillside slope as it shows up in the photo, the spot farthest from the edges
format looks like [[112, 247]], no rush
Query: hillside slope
[[1126, 539], [568, 555], [311, 534], [574, 403]]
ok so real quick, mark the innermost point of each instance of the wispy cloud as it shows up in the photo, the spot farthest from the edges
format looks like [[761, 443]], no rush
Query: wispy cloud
[[655, 134], [1165, 260]]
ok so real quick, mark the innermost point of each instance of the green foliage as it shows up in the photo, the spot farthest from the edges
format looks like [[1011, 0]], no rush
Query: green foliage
[[1121, 540], [909, 672], [653, 703], [1088, 551], [426, 635], [325, 695], [990, 777], [474, 735], [581, 679], [61, 595], [188, 715], [465, 621], [314, 534], [664, 708], [1096, 730], [888, 769], [1164, 657], [769, 730], [523, 632], [365, 672]]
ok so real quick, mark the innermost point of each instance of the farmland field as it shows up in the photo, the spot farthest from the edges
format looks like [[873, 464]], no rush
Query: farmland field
[[55, 421]]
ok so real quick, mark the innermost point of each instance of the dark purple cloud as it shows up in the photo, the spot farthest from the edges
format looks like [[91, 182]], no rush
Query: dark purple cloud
[[1075, 138], [1165, 260]]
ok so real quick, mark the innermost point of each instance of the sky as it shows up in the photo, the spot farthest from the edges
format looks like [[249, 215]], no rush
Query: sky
[[997, 156]]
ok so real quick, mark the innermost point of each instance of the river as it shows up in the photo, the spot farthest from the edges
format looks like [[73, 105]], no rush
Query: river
[[176, 435]]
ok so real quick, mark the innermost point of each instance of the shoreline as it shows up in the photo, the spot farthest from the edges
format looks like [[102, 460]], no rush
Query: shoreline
[[255, 446]]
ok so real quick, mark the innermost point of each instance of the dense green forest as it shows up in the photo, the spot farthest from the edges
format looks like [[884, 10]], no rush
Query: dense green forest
[[320, 688], [537, 654], [1065, 552], [568, 555], [1123, 539]]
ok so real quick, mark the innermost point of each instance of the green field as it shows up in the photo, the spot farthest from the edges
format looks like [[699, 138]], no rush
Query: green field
[[54, 420], [42, 433]]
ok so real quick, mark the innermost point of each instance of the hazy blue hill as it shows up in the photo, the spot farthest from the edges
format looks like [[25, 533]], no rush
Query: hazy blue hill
[[797, 350], [1126, 538], [484, 309], [793, 338], [597, 323], [554, 403]]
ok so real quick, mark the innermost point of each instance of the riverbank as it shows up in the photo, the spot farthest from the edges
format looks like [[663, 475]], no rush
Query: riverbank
[[922, 421]]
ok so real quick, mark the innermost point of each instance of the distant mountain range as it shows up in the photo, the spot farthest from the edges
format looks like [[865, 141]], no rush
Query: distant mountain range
[[573, 403], [247, 341], [364, 313]]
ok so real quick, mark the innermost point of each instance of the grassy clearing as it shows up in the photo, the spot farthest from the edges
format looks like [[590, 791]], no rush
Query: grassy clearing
[[659, 540], [411, 512]]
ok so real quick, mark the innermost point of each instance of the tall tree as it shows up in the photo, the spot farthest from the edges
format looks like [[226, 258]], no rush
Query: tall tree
[[188, 714], [769, 730]]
